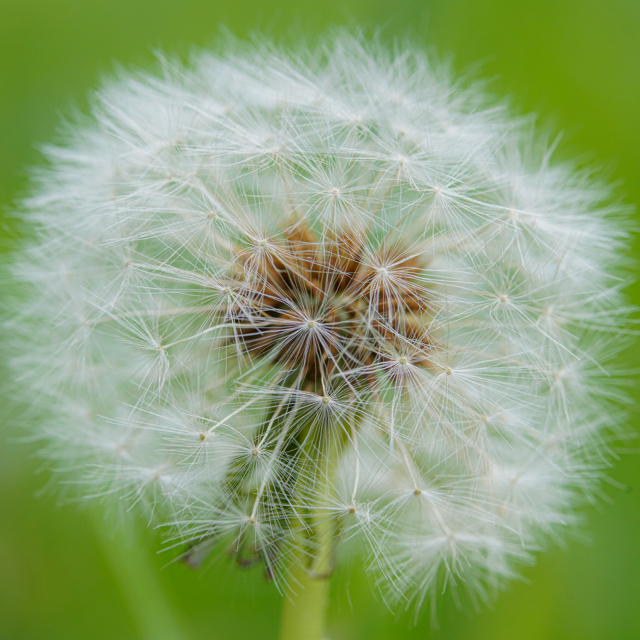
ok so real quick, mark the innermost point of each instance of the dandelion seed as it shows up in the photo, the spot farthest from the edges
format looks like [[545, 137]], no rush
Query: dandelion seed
[[391, 309]]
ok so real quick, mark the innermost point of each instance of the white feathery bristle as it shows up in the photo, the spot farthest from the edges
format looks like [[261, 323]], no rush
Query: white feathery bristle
[[270, 290]]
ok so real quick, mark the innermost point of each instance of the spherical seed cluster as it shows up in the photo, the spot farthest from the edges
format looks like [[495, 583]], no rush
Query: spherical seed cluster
[[293, 304]]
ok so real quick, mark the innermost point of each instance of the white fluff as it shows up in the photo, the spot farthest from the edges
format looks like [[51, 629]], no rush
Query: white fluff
[[156, 221]]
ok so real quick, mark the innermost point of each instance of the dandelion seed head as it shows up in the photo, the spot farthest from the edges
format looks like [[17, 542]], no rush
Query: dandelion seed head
[[267, 287]]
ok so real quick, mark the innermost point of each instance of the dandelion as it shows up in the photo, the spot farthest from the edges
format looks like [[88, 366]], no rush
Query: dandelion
[[305, 305]]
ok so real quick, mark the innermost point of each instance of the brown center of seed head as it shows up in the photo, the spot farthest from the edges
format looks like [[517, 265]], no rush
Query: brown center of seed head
[[332, 305]]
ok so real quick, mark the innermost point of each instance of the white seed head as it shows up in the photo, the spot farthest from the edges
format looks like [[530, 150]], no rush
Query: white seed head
[[240, 317]]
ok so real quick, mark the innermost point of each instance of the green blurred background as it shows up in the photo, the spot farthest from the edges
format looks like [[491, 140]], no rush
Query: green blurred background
[[574, 62]]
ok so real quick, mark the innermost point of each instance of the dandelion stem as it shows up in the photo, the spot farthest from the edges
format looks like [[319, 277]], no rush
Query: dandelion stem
[[304, 612]]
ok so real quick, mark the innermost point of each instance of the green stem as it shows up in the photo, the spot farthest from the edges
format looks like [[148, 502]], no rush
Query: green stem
[[303, 612], [304, 608]]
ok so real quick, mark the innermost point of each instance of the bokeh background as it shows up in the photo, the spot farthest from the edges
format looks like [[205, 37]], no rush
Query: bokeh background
[[63, 574]]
